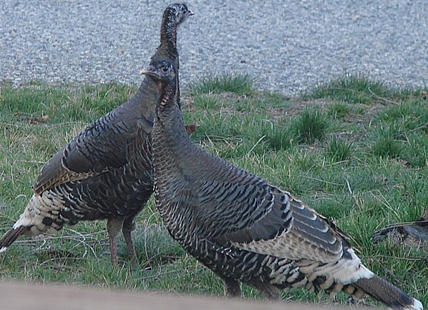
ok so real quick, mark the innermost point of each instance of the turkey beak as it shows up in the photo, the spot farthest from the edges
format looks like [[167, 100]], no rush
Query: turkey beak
[[191, 13], [150, 71]]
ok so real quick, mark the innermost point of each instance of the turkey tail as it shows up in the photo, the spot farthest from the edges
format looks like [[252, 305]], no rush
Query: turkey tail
[[387, 293], [11, 236]]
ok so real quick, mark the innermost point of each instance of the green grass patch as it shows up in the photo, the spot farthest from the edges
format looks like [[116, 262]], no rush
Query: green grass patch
[[351, 89], [357, 154], [310, 126], [238, 84], [339, 150]]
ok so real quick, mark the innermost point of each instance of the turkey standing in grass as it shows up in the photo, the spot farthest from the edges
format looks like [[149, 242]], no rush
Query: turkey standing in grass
[[243, 228], [411, 234], [105, 171]]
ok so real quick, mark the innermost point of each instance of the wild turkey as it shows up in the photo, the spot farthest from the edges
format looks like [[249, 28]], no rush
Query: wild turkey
[[411, 234], [105, 171], [243, 228]]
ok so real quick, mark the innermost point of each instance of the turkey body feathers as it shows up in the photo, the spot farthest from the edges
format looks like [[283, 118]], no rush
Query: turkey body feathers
[[243, 228], [105, 172], [101, 146]]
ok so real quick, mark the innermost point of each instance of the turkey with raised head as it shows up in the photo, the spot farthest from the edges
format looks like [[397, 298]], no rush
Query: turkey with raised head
[[243, 228], [105, 171]]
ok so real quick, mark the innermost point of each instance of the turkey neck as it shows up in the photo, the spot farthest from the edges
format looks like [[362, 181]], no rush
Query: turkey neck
[[168, 39], [144, 101], [173, 151], [168, 46], [169, 133]]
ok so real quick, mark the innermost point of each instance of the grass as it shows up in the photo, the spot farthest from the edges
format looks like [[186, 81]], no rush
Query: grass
[[353, 149], [353, 89], [339, 150], [238, 84], [310, 126]]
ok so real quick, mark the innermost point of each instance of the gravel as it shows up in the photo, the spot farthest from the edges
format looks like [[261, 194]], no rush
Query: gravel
[[287, 46]]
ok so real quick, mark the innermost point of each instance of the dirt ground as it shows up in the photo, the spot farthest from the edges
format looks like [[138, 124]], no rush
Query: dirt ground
[[37, 297]]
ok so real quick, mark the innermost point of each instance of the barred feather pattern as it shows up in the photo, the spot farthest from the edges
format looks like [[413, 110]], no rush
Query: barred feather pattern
[[105, 172], [243, 228]]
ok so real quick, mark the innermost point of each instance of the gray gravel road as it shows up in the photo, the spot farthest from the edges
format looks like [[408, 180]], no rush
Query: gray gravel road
[[287, 46]]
